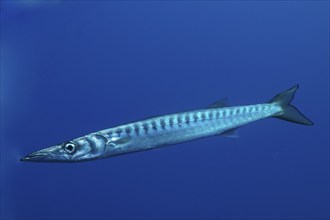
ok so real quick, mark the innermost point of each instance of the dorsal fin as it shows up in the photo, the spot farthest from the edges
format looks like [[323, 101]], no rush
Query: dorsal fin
[[220, 103]]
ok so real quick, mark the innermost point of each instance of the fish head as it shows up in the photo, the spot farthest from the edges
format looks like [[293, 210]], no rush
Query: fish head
[[71, 151]]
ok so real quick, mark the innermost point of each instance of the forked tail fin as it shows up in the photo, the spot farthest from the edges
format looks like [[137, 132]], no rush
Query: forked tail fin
[[289, 112]]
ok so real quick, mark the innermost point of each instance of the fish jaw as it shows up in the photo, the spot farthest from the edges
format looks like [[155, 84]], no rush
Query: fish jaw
[[50, 154]]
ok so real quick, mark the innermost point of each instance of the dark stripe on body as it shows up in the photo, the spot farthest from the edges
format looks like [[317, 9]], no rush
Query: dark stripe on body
[[145, 127], [195, 117], [163, 123], [203, 116], [128, 131], [154, 125], [136, 129], [211, 114], [171, 121], [187, 118], [179, 120], [119, 131]]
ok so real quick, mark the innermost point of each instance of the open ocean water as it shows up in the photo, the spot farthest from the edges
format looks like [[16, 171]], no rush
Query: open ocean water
[[69, 68]]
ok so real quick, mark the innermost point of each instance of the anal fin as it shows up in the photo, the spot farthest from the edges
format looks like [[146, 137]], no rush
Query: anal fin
[[232, 133]]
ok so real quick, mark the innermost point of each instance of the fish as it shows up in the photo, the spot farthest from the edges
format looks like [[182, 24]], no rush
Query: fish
[[155, 132]]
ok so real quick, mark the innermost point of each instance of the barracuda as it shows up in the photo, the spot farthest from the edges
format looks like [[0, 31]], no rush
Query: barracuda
[[217, 119]]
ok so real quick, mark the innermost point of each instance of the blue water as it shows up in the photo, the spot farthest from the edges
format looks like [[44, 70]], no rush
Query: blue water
[[71, 68]]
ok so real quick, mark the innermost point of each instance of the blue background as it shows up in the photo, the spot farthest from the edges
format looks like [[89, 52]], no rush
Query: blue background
[[71, 68]]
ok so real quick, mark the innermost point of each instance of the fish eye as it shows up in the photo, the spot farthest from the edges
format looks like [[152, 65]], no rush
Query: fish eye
[[69, 147]]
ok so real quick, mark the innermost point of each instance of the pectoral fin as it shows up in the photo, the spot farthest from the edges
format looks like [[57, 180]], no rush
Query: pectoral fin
[[117, 142]]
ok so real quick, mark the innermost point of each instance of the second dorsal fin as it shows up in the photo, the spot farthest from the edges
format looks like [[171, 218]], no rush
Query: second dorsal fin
[[220, 103]]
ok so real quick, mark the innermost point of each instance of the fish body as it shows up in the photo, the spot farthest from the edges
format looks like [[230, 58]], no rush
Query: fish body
[[176, 128], [155, 132]]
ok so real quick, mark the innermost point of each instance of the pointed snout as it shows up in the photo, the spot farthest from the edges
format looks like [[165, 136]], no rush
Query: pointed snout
[[50, 154], [36, 156]]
